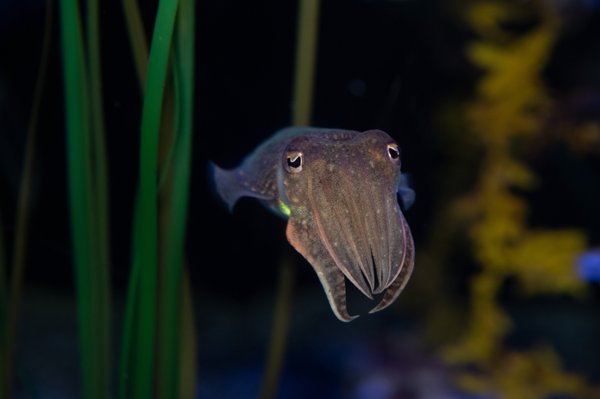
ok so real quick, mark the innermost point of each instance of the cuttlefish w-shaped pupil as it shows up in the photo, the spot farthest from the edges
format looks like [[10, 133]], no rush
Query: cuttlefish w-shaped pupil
[[294, 162], [342, 209], [393, 151]]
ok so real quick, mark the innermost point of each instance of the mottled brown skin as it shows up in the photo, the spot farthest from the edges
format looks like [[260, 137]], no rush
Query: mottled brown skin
[[341, 190]]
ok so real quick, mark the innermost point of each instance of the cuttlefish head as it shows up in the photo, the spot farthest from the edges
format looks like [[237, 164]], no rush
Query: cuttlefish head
[[341, 190]]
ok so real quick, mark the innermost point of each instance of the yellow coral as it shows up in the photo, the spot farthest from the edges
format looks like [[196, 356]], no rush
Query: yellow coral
[[487, 325], [544, 261], [511, 103], [483, 17], [525, 375]]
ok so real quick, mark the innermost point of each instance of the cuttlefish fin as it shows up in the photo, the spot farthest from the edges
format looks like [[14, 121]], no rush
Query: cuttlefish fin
[[231, 185], [332, 279], [405, 193], [406, 268]]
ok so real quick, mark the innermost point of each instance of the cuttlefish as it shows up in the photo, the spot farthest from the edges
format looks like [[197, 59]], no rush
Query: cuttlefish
[[339, 190]]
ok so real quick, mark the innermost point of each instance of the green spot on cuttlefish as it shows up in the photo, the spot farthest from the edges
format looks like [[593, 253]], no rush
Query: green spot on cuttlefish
[[283, 208]]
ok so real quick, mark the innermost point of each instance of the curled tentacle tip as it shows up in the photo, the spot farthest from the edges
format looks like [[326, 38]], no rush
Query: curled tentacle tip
[[380, 306], [346, 318]]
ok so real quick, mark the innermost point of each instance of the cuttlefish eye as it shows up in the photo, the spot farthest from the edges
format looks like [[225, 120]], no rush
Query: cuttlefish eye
[[294, 161], [393, 151]]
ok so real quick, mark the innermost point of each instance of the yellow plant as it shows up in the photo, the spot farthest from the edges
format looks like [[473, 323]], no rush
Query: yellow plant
[[511, 105], [527, 375]]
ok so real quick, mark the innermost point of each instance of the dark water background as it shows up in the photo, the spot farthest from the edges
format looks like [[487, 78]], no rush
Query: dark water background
[[390, 65]]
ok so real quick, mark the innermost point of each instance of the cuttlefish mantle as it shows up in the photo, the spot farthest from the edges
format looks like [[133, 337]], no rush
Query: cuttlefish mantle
[[339, 190]]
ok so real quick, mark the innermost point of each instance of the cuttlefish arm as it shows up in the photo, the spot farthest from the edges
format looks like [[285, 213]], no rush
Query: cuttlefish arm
[[408, 263], [301, 235]]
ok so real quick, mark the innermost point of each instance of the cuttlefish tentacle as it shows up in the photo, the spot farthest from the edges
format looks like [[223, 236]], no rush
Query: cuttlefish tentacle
[[378, 238], [337, 250], [355, 245], [395, 248], [364, 256], [330, 276], [406, 268]]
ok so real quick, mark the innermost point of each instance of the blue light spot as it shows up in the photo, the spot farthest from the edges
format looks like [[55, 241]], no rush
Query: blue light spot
[[588, 266]]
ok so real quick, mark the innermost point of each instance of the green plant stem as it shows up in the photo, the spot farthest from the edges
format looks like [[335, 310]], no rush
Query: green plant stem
[[80, 193], [187, 346], [280, 328], [22, 218], [99, 199], [183, 67], [306, 40], [137, 37], [139, 46], [132, 309], [306, 44], [148, 236]]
